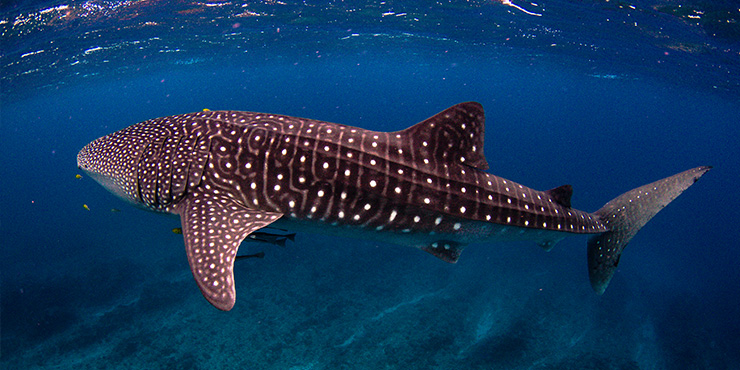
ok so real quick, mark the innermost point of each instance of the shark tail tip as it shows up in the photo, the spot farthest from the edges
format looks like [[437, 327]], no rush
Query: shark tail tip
[[625, 215]]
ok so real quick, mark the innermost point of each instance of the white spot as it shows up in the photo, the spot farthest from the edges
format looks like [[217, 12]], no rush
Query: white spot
[[398, 190], [326, 165], [427, 200], [373, 183], [438, 220], [291, 204], [340, 214], [393, 215], [456, 226], [367, 207], [346, 172], [320, 193], [417, 218], [508, 220], [462, 209], [277, 188]]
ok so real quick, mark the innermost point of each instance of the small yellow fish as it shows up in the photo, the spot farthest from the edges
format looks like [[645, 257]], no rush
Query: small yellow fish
[[206, 110], [85, 207], [78, 176], [177, 230]]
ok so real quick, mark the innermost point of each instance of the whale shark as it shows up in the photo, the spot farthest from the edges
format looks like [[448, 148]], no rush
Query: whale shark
[[228, 174]]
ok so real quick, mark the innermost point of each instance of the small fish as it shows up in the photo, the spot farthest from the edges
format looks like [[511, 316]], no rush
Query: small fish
[[206, 110], [256, 255], [278, 242], [115, 210], [78, 176], [177, 230], [271, 238], [85, 207]]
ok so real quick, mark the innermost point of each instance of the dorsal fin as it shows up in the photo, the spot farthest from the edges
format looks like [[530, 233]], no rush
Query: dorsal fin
[[561, 195], [455, 134]]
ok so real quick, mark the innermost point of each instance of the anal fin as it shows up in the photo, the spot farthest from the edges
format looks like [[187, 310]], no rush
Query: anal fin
[[213, 226], [548, 244], [445, 250]]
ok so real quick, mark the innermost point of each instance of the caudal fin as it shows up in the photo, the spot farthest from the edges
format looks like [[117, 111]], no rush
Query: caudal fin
[[625, 215]]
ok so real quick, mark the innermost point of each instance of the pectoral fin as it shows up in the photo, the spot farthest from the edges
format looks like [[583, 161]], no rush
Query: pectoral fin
[[213, 226]]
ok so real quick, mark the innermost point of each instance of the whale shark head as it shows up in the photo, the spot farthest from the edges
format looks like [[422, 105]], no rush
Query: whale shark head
[[112, 160], [151, 164]]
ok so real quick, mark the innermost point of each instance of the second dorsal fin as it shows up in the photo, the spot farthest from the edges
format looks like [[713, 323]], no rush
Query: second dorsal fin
[[561, 195], [454, 135]]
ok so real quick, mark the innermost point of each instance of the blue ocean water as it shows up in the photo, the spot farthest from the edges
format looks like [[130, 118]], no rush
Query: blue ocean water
[[603, 95]]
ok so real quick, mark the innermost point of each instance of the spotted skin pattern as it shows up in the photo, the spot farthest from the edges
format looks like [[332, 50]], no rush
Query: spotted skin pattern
[[230, 173]]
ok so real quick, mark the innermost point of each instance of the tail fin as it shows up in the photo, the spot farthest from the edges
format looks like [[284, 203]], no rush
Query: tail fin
[[625, 215]]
